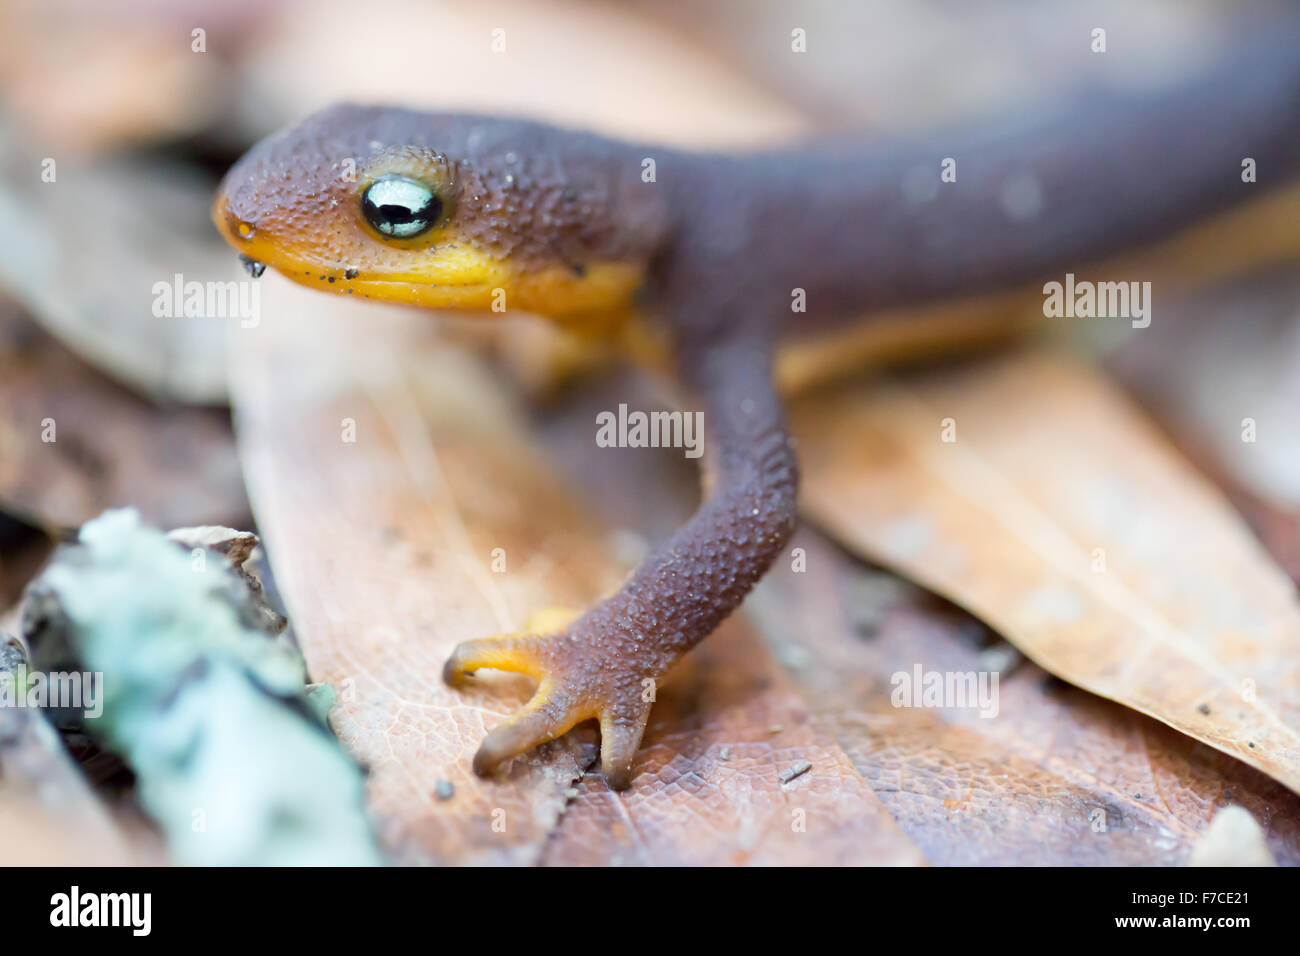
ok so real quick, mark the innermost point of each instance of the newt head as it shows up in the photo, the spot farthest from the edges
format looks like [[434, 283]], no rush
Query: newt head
[[447, 211]]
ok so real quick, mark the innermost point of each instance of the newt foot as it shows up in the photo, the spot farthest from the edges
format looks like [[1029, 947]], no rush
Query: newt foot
[[580, 676]]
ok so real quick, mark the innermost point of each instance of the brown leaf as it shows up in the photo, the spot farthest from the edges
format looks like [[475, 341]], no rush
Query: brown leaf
[[90, 254], [36, 835], [720, 777], [733, 771], [73, 442], [1060, 517], [382, 550], [1033, 785], [1058, 776], [1219, 373], [48, 813]]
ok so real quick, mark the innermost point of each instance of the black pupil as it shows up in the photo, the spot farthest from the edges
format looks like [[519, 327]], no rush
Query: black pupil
[[401, 207], [402, 215]]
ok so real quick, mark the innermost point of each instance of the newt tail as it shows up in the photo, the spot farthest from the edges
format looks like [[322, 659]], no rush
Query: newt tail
[[710, 251]]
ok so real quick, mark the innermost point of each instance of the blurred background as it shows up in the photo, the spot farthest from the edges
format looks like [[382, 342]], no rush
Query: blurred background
[[143, 104]]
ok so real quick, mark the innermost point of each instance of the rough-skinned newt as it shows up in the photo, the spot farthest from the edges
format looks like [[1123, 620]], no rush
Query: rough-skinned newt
[[711, 252]]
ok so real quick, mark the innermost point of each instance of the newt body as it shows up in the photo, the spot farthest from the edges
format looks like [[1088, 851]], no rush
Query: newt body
[[452, 211]]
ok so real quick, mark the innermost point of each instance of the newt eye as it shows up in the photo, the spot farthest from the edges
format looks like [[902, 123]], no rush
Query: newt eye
[[400, 207]]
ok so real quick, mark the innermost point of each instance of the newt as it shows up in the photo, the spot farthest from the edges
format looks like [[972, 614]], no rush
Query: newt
[[708, 253]]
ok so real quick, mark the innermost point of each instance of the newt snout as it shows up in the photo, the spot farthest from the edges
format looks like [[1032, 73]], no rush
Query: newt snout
[[451, 212]]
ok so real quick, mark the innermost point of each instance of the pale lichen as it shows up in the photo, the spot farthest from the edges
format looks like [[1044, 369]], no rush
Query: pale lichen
[[213, 715]]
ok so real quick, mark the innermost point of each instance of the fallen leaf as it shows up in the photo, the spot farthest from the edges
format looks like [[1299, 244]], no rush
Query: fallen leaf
[[1056, 776], [1219, 374], [48, 813], [720, 777], [733, 771], [383, 551], [34, 835], [73, 442], [1060, 517], [384, 470], [93, 257]]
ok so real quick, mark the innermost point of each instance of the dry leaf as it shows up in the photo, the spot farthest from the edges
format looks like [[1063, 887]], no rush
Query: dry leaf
[[732, 772], [1061, 517], [1219, 374], [48, 814], [1220, 362], [720, 776], [73, 442], [35, 835], [384, 472], [383, 550], [90, 254], [1056, 777]]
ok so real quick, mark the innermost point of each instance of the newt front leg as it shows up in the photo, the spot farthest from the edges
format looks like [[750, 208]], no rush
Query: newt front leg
[[608, 662]]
